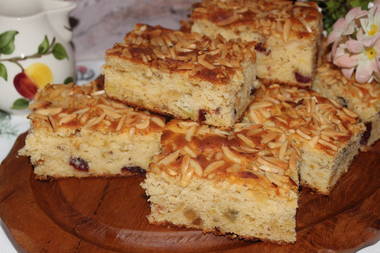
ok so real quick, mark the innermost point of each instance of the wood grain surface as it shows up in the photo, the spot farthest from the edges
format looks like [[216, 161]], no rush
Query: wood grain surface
[[107, 215]]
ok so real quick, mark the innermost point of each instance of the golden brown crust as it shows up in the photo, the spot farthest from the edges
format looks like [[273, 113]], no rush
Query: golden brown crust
[[76, 107], [367, 93], [249, 155], [175, 51], [306, 116], [53, 178], [289, 19], [217, 232]]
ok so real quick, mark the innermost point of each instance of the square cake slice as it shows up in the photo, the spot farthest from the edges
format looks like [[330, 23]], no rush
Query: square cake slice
[[327, 134], [289, 32], [363, 99], [242, 183], [185, 75], [76, 131]]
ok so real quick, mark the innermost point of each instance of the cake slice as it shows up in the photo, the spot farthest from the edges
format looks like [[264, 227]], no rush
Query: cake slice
[[76, 131], [289, 33], [242, 184], [327, 134], [363, 99], [185, 75]]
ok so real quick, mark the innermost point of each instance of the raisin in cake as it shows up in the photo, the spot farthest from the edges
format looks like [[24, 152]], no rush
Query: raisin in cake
[[76, 131], [363, 99], [186, 75], [289, 33], [327, 134], [243, 183]]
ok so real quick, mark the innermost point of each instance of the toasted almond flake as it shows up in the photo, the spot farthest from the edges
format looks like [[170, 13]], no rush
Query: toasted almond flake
[[328, 144], [268, 137], [350, 113], [274, 145], [132, 131], [259, 105], [293, 161], [120, 124], [197, 167], [303, 135], [229, 20], [314, 141], [158, 121], [212, 167], [232, 156], [246, 140], [283, 149], [308, 28], [170, 158], [187, 123], [171, 172], [253, 117], [189, 151], [67, 119], [190, 133], [52, 123], [185, 164], [143, 124], [81, 111], [234, 168], [83, 118], [49, 111], [205, 63], [186, 178], [286, 31], [94, 121], [98, 93]]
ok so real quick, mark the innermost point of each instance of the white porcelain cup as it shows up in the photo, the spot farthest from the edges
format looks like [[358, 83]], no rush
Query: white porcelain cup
[[34, 49]]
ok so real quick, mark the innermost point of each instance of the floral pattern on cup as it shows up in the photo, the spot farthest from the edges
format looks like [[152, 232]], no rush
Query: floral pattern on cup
[[36, 75]]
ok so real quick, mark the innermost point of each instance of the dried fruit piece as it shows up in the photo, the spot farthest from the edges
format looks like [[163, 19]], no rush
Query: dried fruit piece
[[133, 169], [79, 164], [301, 78]]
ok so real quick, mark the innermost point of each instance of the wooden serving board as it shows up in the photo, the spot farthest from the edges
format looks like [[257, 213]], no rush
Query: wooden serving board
[[105, 215]]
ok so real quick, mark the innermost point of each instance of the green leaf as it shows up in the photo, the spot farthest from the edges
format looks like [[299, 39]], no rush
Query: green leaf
[[20, 104], [44, 46], [7, 42], [68, 80], [3, 72], [59, 52], [4, 114]]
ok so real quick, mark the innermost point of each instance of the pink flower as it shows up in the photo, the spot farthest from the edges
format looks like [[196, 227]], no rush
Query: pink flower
[[356, 44], [370, 25], [346, 25], [355, 55]]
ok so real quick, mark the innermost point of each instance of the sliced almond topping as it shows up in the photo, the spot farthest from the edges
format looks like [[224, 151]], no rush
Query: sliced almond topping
[[143, 124], [286, 31], [49, 111], [189, 151], [232, 156], [283, 149], [212, 167], [190, 133], [246, 140], [328, 144], [197, 167], [185, 164], [303, 135], [67, 119], [120, 124], [170, 158]]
